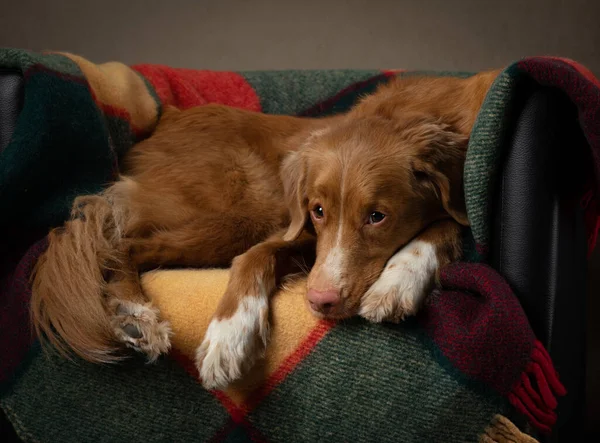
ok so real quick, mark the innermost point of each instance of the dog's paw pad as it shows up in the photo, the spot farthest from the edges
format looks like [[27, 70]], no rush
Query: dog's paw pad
[[138, 327], [133, 331]]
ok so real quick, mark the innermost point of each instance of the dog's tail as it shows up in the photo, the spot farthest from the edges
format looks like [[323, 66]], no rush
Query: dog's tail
[[68, 307]]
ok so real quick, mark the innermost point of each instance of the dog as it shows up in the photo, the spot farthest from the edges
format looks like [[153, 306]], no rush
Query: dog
[[370, 200]]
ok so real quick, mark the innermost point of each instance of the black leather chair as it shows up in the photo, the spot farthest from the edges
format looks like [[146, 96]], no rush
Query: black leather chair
[[538, 240], [539, 243], [11, 102]]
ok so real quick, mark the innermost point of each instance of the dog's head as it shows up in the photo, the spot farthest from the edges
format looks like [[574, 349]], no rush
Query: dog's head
[[366, 187]]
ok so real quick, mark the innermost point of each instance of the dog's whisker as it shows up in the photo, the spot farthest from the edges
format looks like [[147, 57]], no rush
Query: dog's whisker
[[302, 266]]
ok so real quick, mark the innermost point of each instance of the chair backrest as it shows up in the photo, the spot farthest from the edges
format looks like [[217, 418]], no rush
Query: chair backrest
[[539, 241], [11, 102]]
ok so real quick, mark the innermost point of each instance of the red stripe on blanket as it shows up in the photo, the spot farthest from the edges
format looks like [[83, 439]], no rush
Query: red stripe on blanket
[[290, 363], [393, 72], [238, 417], [113, 111], [238, 413], [186, 88], [224, 433], [585, 72]]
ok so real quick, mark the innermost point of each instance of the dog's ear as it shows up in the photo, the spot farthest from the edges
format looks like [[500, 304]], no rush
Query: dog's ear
[[439, 160], [293, 176]]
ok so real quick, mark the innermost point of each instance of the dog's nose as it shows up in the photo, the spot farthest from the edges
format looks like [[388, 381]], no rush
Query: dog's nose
[[323, 301]]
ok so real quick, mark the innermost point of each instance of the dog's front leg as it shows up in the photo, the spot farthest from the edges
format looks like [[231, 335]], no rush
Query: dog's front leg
[[411, 273], [239, 330]]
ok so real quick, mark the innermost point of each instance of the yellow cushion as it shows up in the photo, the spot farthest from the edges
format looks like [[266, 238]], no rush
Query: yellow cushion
[[188, 298]]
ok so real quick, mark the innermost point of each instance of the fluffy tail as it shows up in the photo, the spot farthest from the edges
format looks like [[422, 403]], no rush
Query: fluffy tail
[[68, 303]]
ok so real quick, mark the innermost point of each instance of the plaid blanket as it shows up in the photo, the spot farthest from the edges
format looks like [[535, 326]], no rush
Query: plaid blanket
[[458, 372]]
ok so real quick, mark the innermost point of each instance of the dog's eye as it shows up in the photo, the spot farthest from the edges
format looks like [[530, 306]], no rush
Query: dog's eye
[[318, 212], [376, 217]]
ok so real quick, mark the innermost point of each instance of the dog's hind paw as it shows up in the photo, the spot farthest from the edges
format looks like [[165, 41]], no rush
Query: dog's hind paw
[[139, 327], [232, 345]]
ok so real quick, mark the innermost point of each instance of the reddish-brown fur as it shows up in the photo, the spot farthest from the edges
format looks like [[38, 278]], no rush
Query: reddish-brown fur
[[399, 167], [214, 183]]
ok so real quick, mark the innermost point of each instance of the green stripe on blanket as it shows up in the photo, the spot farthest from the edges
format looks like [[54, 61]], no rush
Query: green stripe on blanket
[[291, 92]]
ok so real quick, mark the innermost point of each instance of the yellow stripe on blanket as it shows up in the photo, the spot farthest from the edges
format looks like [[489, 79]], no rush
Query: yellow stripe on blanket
[[188, 298], [119, 87]]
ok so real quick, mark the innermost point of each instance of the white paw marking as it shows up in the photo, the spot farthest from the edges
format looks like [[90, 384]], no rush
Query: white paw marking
[[403, 284], [232, 345], [139, 327]]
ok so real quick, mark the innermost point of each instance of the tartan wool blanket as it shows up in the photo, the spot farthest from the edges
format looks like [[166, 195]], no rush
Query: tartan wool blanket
[[467, 368]]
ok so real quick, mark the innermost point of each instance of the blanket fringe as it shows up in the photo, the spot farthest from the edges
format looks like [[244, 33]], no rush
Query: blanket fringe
[[502, 430], [538, 405]]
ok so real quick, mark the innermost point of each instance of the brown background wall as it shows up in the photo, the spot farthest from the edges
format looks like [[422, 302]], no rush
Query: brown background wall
[[274, 34]]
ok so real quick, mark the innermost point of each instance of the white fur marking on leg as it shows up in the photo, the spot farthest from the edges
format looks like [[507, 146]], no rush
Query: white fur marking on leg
[[230, 344], [403, 284]]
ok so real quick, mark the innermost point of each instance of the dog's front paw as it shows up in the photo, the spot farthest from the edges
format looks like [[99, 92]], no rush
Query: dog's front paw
[[139, 327], [232, 345], [404, 283]]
